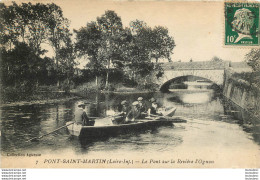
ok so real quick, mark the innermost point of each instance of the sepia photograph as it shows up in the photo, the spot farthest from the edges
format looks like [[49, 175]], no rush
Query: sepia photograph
[[129, 84]]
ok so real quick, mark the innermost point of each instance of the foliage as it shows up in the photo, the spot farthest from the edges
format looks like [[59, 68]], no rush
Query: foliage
[[21, 64], [108, 46], [155, 41], [88, 43], [247, 80], [118, 53], [216, 59], [27, 28], [253, 59]]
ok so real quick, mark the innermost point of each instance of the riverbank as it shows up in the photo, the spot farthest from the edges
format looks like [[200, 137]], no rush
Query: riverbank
[[241, 92], [45, 101], [11, 96], [16, 97], [113, 88]]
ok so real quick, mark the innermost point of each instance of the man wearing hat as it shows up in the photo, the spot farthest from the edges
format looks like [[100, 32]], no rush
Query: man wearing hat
[[125, 107], [150, 103], [134, 113], [142, 106], [84, 118], [124, 110], [152, 100]]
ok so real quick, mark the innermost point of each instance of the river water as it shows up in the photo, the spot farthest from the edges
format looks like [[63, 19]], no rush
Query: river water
[[212, 124]]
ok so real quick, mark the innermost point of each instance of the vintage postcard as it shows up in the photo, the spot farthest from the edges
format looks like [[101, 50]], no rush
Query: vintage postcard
[[130, 84]]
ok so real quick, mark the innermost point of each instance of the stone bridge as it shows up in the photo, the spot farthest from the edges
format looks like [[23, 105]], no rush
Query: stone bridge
[[210, 70]]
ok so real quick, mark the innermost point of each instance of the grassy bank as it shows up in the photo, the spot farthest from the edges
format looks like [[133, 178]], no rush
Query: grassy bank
[[243, 89], [21, 95], [115, 87], [40, 95]]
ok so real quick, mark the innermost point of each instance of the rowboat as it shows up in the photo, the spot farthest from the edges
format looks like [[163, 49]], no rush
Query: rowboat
[[93, 132], [105, 127]]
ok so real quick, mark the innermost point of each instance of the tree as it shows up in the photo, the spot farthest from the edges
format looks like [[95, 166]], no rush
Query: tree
[[156, 41], [102, 42], [216, 59], [67, 57], [111, 28], [108, 45], [88, 43], [7, 32], [58, 30], [21, 64], [24, 23], [34, 25], [253, 59], [162, 44], [147, 44]]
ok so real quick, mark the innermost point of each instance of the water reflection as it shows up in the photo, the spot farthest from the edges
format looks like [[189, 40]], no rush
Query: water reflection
[[196, 98], [248, 121], [201, 109]]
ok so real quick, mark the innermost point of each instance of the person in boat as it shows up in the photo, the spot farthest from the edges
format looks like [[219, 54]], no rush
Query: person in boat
[[153, 110], [142, 106], [124, 109], [150, 102], [84, 117], [134, 114]]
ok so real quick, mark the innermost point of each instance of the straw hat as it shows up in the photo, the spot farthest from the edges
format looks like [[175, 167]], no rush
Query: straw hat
[[140, 99], [124, 102], [135, 103], [152, 100]]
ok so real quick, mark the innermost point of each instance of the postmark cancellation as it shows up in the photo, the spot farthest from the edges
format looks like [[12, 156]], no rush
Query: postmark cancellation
[[242, 24]]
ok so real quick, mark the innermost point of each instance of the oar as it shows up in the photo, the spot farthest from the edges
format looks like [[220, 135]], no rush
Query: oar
[[36, 138], [165, 118], [153, 115]]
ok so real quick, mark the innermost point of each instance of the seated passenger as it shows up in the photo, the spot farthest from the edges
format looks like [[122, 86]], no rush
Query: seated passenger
[[154, 110], [150, 102], [134, 114], [124, 109], [142, 107], [84, 117]]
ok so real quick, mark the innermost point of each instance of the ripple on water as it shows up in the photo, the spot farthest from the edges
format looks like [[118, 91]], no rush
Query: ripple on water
[[207, 126]]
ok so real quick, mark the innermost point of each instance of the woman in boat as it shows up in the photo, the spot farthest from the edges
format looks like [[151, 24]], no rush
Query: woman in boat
[[134, 114]]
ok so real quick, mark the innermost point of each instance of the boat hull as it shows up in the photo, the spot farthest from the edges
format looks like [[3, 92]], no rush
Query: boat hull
[[93, 132]]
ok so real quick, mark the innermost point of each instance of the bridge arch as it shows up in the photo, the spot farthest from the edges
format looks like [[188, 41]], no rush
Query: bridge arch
[[180, 79], [211, 70], [216, 76]]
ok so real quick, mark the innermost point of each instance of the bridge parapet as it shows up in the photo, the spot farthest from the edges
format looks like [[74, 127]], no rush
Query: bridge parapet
[[195, 65]]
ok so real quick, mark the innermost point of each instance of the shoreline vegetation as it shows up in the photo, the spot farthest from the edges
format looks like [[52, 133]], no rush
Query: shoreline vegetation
[[40, 55], [39, 48], [52, 94]]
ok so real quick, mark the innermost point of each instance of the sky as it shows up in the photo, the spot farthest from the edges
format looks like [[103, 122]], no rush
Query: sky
[[197, 27]]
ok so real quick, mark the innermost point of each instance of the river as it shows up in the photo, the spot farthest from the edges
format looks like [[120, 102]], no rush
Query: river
[[211, 124]]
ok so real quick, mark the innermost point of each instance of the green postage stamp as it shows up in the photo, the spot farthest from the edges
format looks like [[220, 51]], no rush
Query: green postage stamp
[[242, 24]]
